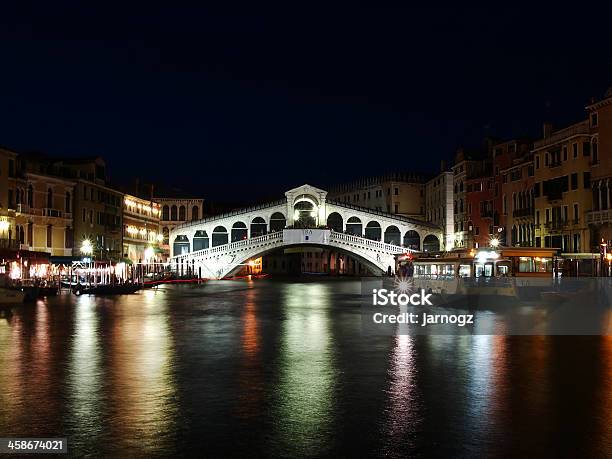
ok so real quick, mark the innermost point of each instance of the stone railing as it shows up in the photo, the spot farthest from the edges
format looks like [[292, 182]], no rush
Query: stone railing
[[254, 241]]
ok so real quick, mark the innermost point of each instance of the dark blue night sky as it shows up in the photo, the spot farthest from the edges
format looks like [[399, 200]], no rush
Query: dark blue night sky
[[244, 103]]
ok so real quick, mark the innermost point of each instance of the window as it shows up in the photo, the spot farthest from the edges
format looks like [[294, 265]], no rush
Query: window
[[11, 168], [396, 208], [49, 235], [195, 213], [595, 153], [69, 240], [547, 221], [388, 191], [84, 215], [537, 161], [586, 180], [173, 213], [565, 153], [165, 213], [574, 177], [67, 202], [575, 150], [50, 199], [565, 214], [396, 191], [546, 159], [537, 217], [576, 216], [593, 119], [586, 148]]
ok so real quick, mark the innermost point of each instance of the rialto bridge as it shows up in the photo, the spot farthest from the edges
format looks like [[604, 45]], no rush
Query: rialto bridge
[[217, 246]]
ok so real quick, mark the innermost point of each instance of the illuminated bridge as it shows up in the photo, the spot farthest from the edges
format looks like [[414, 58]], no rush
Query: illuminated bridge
[[218, 246]]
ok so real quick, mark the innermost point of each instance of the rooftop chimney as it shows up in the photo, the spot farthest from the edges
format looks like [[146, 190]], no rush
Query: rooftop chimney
[[547, 129]]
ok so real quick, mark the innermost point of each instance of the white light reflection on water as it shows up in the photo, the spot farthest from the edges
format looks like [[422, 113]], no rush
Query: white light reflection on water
[[304, 409], [143, 390], [401, 416], [85, 377]]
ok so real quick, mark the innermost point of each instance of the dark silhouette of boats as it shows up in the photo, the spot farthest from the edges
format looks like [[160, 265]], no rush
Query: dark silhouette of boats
[[106, 289]]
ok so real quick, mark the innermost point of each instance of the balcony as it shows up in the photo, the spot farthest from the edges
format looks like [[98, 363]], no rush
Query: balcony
[[557, 225], [42, 212], [526, 212], [599, 216]]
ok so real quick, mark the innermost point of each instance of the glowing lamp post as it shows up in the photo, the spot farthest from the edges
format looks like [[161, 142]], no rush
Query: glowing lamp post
[[86, 247], [494, 242]]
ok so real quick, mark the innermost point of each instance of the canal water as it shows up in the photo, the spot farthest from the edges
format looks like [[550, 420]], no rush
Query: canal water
[[281, 368]]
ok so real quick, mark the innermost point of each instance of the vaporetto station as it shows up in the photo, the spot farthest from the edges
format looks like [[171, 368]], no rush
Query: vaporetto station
[[219, 246]]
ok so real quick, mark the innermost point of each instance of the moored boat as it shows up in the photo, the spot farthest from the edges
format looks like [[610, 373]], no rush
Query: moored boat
[[106, 289]]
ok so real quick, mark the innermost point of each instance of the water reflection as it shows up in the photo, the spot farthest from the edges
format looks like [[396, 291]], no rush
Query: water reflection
[[282, 369], [401, 418], [250, 376], [142, 390], [85, 376], [304, 410]]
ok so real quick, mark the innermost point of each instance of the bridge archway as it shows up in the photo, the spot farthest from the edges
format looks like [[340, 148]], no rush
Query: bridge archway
[[354, 226], [239, 231], [277, 222], [219, 236], [370, 264], [412, 240], [431, 243], [393, 235], [305, 213], [335, 222], [373, 231], [181, 245], [259, 227], [201, 240]]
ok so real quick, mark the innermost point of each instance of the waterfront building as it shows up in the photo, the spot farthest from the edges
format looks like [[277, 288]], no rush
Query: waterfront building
[[468, 165], [439, 204], [8, 165], [43, 204], [401, 194], [97, 207], [141, 228], [562, 187], [174, 211], [479, 196], [517, 206], [600, 217]]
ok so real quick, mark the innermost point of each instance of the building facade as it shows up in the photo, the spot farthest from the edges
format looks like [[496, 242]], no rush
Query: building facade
[[439, 205], [562, 188], [518, 205], [402, 194], [141, 228], [175, 211], [600, 218], [98, 208], [8, 166], [468, 165]]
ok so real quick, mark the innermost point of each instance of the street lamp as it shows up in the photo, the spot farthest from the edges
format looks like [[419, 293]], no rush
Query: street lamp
[[86, 247], [494, 242]]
